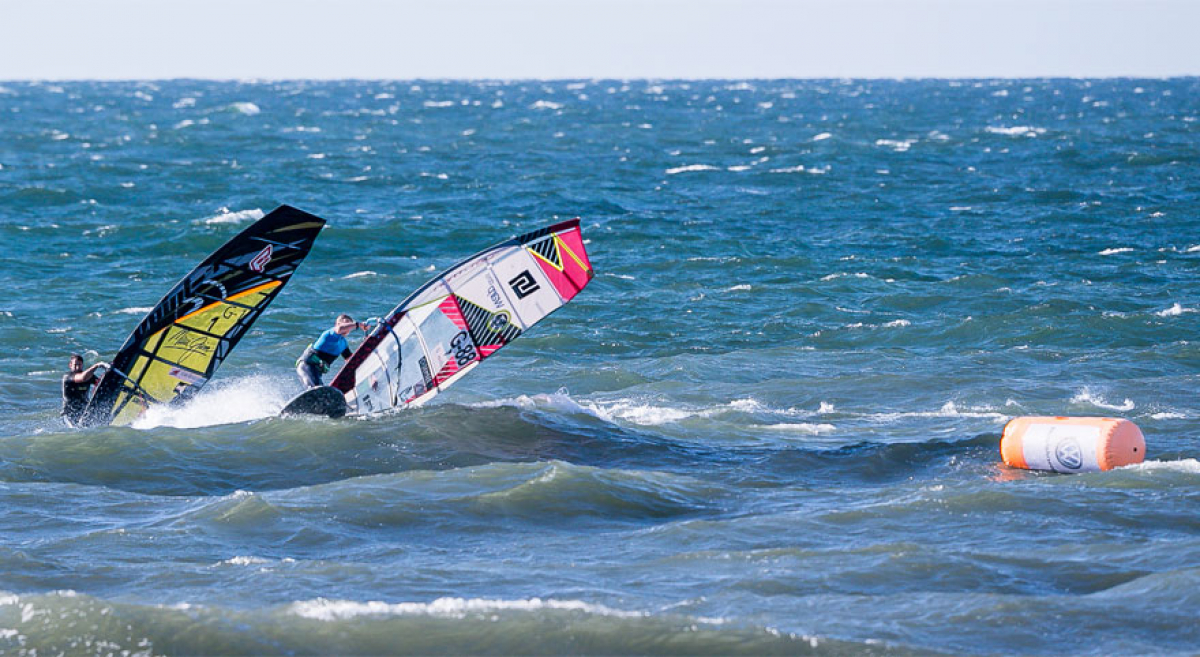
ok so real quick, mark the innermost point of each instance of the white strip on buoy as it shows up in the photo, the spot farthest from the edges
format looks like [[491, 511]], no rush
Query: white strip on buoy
[[1071, 444]]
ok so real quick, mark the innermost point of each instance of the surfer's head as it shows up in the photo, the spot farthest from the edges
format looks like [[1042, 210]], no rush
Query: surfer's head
[[344, 324], [75, 363]]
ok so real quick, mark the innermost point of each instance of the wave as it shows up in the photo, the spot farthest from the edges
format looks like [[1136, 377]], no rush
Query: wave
[[65, 622], [650, 413]]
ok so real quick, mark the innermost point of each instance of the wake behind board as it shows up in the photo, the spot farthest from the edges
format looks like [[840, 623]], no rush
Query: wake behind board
[[325, 401]]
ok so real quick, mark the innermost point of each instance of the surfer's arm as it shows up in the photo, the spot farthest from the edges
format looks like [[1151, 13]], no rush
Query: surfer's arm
[[89, 373]]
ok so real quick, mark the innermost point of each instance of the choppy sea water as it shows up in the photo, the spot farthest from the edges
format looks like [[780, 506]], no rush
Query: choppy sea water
[[770, 425]]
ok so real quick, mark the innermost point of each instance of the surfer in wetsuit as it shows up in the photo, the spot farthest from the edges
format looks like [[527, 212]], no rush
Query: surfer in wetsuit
[[318, 356], [75, 385]]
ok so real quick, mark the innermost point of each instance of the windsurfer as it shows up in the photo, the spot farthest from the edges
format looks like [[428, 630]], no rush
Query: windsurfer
[[318, 356], [76, 384]]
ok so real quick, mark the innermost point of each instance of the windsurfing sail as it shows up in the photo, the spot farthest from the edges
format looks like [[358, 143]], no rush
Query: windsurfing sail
[[179, 345], [463, 316]]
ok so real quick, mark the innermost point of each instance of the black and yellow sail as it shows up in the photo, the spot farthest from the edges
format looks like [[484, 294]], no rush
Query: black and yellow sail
[[180, 343]]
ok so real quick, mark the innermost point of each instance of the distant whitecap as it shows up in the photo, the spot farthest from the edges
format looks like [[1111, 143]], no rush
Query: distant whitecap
[[1175, 310], [224, 216], [1016, 131], [898, 145], [1087, 396], [249, 109], [691, 167]]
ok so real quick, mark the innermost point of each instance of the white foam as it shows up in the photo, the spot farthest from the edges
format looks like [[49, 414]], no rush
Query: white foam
[[135, 310], [631, 410], [949, 409], [898, 145], [333, 610], [737, 288], [845, 275], [359, 274], [1174, 311], [823, 136], [1086, 396], [798, 427], [1193, 249], [224, 216], [439, 103], [244, 561], [1168, 415], [238, 400], [691, 167], [1016, 131], [799, 168], [1123, 249], [1190, 466], [546, 105], [249, 109]]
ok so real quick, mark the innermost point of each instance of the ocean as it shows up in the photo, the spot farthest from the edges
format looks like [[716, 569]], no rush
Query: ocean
[[770, 425]]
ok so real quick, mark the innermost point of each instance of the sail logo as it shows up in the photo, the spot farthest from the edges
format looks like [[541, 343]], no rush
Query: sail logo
[[524, 284], [259, 262]]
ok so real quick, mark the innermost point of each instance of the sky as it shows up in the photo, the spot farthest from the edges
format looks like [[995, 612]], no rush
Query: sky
[[557, 39]]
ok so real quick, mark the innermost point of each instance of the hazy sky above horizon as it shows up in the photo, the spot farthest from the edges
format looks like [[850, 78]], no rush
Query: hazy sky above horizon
[[507, 39]]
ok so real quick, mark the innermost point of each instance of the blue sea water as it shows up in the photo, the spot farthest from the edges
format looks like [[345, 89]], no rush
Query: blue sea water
[[769, 425]]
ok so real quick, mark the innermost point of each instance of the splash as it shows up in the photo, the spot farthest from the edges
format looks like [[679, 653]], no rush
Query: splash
[[230, 402], [1086, 396]]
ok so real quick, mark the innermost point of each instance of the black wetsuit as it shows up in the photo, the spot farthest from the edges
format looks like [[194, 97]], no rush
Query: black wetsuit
[[75, 398], [314, 363]]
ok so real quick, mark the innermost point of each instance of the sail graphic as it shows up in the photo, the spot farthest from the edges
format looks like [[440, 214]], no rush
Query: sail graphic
[[181, 342], [463, 316]]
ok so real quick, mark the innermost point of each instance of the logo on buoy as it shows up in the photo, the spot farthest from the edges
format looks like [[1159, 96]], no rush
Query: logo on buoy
[[1069, 454]]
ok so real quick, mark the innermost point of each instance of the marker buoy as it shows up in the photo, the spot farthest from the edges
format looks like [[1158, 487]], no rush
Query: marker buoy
[[1071, 444]]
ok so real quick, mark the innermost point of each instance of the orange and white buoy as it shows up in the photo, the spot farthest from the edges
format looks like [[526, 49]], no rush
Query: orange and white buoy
[[1071, 444]]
